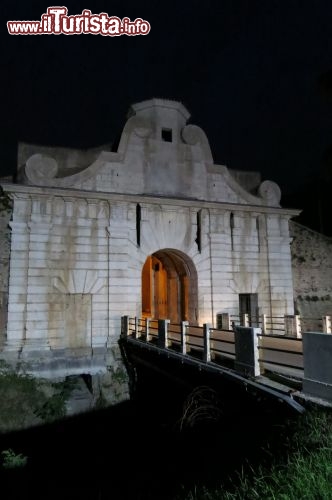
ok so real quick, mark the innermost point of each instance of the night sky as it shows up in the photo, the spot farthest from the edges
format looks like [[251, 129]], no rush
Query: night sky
[[254, 74]]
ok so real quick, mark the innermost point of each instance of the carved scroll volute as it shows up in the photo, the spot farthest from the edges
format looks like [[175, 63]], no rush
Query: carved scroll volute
[[270, 192], [192, 135], [40, 168]]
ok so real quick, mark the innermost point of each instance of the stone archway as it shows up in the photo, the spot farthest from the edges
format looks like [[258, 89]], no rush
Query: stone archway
[[169, 287]]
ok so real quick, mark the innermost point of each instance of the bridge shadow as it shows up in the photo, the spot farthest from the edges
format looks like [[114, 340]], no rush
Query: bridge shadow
[[141, 449]]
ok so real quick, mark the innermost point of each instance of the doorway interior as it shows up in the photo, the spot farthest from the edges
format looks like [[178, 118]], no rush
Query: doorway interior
[[169, 287]]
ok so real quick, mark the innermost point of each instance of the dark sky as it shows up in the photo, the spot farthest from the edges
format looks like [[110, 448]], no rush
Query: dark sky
[[249, 71]]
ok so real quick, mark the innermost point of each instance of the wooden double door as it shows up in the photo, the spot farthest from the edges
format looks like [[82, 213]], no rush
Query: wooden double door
[[165, 289]]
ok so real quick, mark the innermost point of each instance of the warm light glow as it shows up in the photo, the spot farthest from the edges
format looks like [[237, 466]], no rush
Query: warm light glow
[[168, 290]]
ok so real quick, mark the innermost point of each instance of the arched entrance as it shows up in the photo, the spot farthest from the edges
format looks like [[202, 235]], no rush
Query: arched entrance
[[169, 287]]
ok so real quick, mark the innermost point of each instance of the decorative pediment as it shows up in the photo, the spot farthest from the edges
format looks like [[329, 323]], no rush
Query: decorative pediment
[[159, 154]]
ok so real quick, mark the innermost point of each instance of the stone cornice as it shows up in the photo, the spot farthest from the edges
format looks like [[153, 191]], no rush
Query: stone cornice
[[162, 103], [26, 191]]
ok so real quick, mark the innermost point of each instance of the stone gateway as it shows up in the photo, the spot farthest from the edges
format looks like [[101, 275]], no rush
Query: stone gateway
[[153, 229]]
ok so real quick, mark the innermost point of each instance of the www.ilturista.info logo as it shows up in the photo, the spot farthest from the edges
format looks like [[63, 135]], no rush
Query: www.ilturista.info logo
[[57, 22]]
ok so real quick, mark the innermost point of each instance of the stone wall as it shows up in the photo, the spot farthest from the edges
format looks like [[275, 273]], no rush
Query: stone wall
[[312, 272], [58, 274], [5, 235], [76, 266]]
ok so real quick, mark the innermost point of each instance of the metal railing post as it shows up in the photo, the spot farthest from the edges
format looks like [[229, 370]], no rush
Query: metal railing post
[[136, 328], [327, 324], [207, 346], [244, 319], [258, 346], [147, 329], [184, 326], [293, 326], [226, 321], [163, 332], [264, 323], [298, 329]]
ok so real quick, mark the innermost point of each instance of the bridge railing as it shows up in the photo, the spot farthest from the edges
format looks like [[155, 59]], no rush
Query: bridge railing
[[222, 343], [277, 353], [280, 353], [182, 337], [289, 325], [246, 349]]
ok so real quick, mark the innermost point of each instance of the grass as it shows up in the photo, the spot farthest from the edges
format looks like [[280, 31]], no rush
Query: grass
[[305, 472]]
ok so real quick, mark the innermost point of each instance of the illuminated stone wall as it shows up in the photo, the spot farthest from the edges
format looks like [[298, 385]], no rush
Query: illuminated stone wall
[[79, 242]]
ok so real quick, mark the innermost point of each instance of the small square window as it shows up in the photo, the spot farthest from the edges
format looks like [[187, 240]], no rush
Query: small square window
[[166, 134]]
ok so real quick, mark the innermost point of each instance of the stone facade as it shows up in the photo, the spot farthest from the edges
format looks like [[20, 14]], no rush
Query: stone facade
[[312, 272], [82, 236]]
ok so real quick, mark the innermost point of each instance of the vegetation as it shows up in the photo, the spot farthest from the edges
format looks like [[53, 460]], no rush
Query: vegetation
[[305, 472], [120, 376], [26, 401], [19, 397], [55, 406], [12, 460]]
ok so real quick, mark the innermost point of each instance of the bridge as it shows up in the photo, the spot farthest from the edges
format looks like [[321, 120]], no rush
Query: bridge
[[280, 368]]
